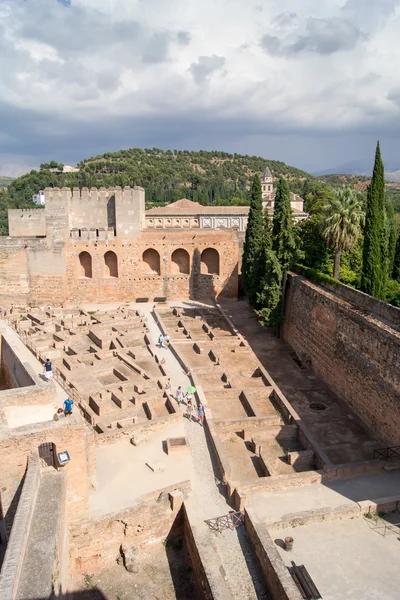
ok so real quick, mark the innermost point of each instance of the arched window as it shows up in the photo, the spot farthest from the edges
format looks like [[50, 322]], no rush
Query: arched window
[[85, 265], [180, 262], [210, 262], [151, 261], [110, 264]]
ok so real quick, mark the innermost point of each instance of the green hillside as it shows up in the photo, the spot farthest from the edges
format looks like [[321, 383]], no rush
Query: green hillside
[[5, 181]]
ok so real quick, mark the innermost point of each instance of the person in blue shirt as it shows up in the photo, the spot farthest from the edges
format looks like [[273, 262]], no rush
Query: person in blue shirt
[[68, 406]]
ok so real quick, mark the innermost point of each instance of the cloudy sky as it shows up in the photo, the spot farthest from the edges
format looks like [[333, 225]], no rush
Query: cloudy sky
[[313, 82]]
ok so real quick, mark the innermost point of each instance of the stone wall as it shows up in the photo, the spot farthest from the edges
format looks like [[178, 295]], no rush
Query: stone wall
[[16, 372], [95, 543], [352, 350], [204, 558], [279, 582], [23, 441], [12, 565], [26, 222], [43, 273]]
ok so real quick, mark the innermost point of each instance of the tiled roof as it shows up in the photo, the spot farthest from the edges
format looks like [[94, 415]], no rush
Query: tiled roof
[[180, 206], [267, 173], [186, 207]]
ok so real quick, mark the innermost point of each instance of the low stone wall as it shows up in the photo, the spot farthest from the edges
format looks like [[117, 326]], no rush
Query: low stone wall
[[204, 558], [14, 557], [271, 484], [317, 515], [17, 372], [95, 543], [278, 580], [220, 453]]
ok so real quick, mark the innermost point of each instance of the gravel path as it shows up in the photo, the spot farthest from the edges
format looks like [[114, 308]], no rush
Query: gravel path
[[241, 568]]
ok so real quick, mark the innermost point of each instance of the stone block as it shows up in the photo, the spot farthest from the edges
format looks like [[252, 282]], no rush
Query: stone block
[[138, 439]]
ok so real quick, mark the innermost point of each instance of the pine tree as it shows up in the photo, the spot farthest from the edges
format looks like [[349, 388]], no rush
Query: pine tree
[[391, 233], [396, 262], [269, 277], [373, 276], [253, 241], [283, 238]]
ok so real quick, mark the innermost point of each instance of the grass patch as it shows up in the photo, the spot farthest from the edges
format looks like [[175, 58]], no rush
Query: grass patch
[[173, 544]]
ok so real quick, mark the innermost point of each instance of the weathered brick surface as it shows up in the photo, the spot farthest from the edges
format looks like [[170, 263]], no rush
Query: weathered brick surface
[[41, 274], [280, 584], [17, 446], [95, 543], [356, 354], [13, 560]]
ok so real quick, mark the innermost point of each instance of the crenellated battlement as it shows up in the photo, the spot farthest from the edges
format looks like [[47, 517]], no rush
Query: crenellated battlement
[[86, 194]]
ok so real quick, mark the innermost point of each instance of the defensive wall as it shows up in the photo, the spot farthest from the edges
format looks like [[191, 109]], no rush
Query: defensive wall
[[351, 340], [92, 246]]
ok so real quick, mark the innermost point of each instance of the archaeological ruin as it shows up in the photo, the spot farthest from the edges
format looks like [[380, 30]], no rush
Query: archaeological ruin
[[291, 488]]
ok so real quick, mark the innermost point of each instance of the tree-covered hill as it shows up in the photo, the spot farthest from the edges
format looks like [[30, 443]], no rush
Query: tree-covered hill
[[5, 181], [167, 175]]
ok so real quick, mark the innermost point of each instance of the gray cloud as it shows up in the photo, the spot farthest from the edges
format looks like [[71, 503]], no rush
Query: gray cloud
[[322, 36], [284, 20], [271, 44], [326, 36], [183, 38], [157, 48], [205, 66]]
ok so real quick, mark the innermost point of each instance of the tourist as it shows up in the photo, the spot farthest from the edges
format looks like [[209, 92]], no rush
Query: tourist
[[161, 341], [5, 312], [1, 312], [168, 384], [166, 340], [68, 406], [48, 369], [59, 414], [189, 410], [200, 413], [179, 395]]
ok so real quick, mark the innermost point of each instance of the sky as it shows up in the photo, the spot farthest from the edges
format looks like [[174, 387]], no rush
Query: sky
[[313, 83]]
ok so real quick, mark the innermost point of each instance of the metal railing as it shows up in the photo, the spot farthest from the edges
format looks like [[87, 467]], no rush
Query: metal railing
[[385, 453], [229, 521]]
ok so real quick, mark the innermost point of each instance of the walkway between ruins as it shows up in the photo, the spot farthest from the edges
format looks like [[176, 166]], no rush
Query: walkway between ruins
[[242, 571]]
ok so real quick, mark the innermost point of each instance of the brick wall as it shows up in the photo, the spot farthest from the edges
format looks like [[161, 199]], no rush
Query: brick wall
[[279, 582], [15, 449], [12, 565], [95, 543], [355, 353], [49, 271]]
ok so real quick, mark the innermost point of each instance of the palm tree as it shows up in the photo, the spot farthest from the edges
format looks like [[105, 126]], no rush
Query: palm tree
[[341, 222]]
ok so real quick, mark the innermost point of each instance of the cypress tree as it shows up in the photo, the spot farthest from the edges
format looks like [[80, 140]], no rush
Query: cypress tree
[[283, 238], [374, 269], [396, 262], [253, 241], [269, 278], [391, 233]]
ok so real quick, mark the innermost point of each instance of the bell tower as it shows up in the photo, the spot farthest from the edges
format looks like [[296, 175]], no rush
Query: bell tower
[[267, 185]]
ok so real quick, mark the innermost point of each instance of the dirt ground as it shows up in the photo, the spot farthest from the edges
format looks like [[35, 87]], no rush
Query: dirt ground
[[164, 573]]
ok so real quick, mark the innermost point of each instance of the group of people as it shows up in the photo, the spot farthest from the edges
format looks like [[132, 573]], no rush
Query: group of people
[[163, 341], [190, 407], [3, 312], [64, 412]]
